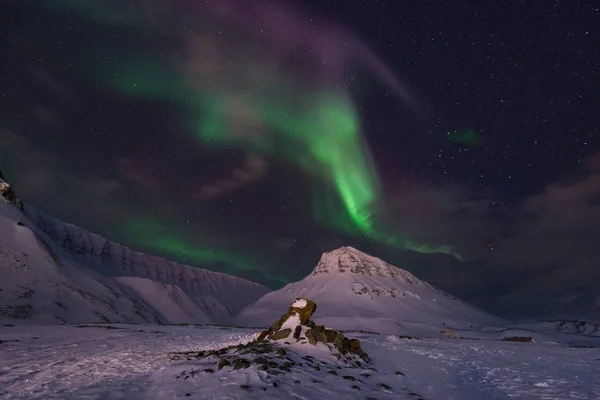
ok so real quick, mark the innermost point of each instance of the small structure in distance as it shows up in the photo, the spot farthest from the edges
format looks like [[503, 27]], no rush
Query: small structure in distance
[[449, 334]]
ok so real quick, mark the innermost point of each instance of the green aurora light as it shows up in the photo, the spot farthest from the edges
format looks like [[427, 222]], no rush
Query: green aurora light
[[315, 126]]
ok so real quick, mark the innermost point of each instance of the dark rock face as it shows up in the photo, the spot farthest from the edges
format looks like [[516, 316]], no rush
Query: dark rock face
[[9, 195], [7, 192]]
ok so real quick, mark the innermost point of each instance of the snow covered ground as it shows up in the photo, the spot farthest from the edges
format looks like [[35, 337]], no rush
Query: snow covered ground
[[136, 362]]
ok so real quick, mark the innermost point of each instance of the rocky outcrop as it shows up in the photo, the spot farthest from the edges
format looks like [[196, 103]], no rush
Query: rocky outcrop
[[296, 325], [7, 192], [293, 348]]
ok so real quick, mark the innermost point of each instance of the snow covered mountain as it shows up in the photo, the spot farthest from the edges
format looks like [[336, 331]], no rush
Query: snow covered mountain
[[354, 290], [54, 272]]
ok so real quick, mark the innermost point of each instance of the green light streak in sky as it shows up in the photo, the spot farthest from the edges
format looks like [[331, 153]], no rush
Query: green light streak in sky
[[149, 233], [465, 136], [323, 137]]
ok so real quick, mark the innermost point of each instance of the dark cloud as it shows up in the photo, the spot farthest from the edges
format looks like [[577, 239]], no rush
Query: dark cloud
[[544, 251], [553, 252], [41, 177], [445, 215], [253, 169], [129, 170]]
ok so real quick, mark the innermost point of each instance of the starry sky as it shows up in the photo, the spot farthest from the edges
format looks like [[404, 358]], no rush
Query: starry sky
[[456, 139]]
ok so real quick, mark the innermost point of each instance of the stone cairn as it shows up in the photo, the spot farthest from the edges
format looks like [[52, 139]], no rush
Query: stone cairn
[[279, 351], [268, 349], [305, 330]]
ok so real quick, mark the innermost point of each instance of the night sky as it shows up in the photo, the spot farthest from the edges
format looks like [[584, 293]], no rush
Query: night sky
[[456, 139]]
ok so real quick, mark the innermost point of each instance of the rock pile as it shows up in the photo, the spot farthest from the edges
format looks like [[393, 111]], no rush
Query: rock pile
[[296, 325]]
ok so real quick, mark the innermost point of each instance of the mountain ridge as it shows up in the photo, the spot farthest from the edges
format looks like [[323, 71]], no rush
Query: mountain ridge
[[56, 272], [354, 290]]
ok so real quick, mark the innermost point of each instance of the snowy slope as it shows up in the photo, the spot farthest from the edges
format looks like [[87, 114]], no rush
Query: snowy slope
[[353, 290], [135, 362], [172, 303], [224, 294], [38, 286], [53, 272]]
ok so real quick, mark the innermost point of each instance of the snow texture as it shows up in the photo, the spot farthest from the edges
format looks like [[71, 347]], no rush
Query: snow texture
[[356, 291], [135, 362], [53, 272]]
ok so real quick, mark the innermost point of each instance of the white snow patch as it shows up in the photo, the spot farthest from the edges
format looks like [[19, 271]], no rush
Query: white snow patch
[[300, 303], [292, 322]]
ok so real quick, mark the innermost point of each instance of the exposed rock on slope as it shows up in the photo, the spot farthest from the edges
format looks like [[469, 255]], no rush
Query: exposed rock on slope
[[7, 192], [358, 291]]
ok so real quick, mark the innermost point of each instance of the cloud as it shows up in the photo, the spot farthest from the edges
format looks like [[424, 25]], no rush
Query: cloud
[[129, 170], [543, 252], [552, 255], [560, 226], [254, 168], [444, 215]]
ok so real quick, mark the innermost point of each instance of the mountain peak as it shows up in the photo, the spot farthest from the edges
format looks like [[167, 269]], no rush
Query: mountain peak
[[348, 260]]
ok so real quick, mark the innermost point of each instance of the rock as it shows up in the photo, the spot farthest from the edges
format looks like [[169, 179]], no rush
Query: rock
[[384, 386], [263, 335], [244, 387], [355, 387], [223, 362], [7, 192], [349, 378], [260, 360], [354, 344], [209, 371], [400, 373], [297, 332], [310, 337], [240, 363], [337, 355], [305, 309], [282, 334]]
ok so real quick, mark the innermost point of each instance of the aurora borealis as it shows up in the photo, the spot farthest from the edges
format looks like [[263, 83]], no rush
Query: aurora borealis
[[249, 137]]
